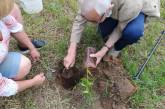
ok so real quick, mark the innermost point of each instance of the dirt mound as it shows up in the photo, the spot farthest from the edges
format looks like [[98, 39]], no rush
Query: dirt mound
[[114, 83]]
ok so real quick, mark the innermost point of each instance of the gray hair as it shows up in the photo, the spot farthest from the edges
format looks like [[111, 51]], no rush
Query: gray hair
[[99, 5]]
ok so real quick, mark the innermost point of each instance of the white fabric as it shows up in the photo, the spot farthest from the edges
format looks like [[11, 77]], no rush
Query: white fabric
[[3, 52], [13, 25], [8, 87], [31, 6], [4, 30], [4, 43]]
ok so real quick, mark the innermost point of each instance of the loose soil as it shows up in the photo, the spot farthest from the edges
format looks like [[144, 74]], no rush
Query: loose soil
[[112, 85], [114, 81]]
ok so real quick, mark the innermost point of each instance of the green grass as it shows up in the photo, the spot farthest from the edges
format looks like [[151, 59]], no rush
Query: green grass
[[54, 25], [86, 84], [153, 78]]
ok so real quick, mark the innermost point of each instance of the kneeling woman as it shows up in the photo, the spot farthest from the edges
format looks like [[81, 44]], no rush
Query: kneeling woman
[[14, 66]]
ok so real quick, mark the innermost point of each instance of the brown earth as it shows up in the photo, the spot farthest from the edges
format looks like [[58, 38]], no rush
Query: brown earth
[[114, 79], [68, 78], [112, 84]]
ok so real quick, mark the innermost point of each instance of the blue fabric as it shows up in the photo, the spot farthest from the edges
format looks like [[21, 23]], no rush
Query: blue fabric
[[9, 68], [131, 34]]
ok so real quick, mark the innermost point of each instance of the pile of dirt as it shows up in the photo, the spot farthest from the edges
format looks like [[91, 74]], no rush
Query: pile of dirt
[[114, 85]]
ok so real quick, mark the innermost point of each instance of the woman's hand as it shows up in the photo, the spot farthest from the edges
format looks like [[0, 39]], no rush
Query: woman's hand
[[39, 79], [99, 55], [24, 40], [35, 81], [35, 55]]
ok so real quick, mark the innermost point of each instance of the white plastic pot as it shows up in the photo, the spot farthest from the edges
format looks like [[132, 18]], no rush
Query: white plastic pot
[[31, 6]]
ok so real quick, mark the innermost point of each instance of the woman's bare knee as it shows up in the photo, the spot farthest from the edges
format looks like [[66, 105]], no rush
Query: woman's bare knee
[[24, 69]]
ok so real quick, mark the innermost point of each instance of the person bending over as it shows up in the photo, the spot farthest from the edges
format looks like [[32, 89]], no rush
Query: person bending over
[[120, 23]]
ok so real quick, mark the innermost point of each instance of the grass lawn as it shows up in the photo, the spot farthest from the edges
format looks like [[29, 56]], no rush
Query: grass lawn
[[54, 25]]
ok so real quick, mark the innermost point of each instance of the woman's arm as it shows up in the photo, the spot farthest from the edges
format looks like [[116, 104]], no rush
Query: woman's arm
[[25, 41], [9, 87], [23, 38], [14, 24], [16, 29], [37, 80]]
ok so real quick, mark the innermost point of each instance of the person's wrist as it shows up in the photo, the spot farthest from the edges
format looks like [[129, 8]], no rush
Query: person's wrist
[[32, 48], [33, 81], [73, 45], [72, 48], [105, 49], [108, 47], [72, 53]]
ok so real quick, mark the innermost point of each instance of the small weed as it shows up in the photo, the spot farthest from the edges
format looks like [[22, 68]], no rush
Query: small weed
[[106, 91], [87, 84]]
